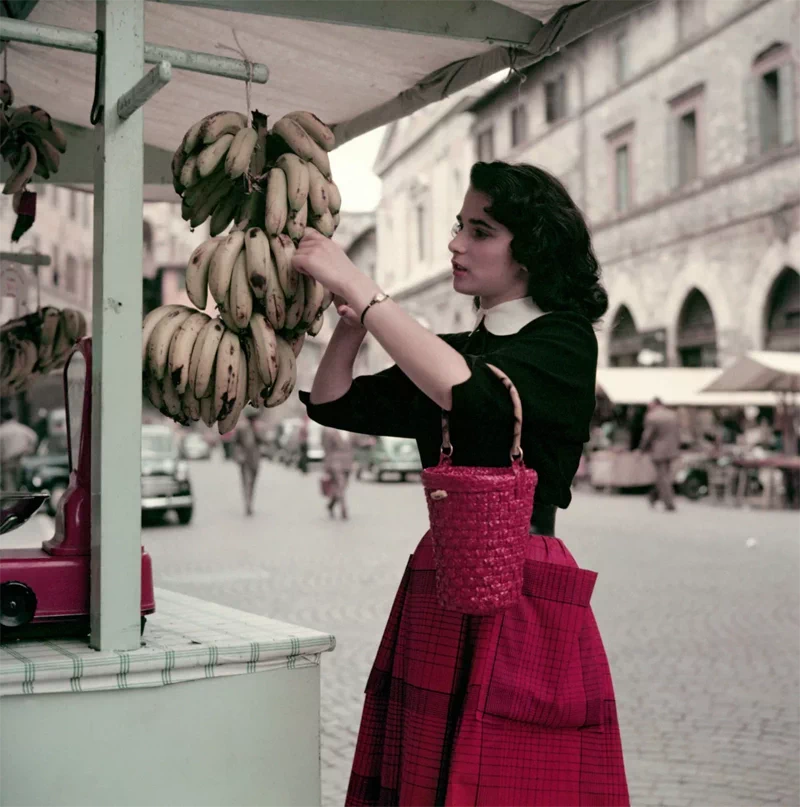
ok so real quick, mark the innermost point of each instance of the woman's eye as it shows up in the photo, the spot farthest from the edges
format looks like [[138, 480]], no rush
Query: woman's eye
[[480, 235]]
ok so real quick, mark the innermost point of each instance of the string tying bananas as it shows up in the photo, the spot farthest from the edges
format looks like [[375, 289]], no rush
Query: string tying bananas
[[37, 344], [196, 368], [29, 142]]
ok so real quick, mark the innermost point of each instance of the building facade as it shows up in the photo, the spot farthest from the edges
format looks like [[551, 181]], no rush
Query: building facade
[[676, 132]]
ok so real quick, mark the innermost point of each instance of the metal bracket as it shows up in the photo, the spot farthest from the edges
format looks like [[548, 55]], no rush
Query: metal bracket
[[144, 90]]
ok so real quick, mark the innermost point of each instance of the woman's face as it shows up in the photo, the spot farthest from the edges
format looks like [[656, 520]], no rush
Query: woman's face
[[482, 261]]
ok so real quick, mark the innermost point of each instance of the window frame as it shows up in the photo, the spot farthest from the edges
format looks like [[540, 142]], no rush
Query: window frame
[[519, 112], [775, 59], [559, 80], [622, 68], [487, 131], [688, 102], [621, 137]]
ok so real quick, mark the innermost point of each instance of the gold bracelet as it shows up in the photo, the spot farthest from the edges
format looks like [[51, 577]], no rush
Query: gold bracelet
[[378, 298]]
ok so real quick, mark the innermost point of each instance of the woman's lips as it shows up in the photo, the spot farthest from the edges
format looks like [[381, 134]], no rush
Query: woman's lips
[[458, 269]]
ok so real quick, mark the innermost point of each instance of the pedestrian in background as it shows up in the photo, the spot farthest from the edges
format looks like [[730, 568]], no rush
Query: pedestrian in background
[[661, 440], [247, 453], [517, 707], [16, 441], [337, 466]]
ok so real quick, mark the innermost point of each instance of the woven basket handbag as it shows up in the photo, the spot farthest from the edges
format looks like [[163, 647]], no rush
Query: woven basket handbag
[[480, 522]]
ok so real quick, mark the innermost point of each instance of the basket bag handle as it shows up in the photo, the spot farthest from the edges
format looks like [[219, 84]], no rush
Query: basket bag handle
[[446, 451]]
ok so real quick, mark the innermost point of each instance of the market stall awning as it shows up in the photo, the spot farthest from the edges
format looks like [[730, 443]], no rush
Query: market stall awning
[[675, 386], [359, 65], [761, 370]]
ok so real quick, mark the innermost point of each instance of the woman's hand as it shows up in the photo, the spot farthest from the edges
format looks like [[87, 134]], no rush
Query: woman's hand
[[350, 317], [318, 257]]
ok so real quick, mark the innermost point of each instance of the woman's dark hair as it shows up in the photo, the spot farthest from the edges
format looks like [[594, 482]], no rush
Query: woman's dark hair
[[550, 236]]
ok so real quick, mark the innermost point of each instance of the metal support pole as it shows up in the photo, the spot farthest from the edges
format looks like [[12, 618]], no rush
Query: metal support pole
[[85, 42], [116, 329], [144, 90]]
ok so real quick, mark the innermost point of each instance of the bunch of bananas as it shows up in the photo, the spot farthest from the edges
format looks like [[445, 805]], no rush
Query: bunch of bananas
[[29, 142], [196, 368], [279, 179], [36, 344]]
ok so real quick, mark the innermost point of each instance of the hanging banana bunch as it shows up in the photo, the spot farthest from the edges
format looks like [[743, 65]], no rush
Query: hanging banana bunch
[[37, 344]]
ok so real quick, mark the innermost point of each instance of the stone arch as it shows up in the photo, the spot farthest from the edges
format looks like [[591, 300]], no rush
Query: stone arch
[[624, 340], [696, 336], [781, 321]]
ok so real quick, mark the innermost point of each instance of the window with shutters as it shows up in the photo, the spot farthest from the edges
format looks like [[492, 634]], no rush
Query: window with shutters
[[771, 101], [684, 140], [519, 125], [555, 99], [485, 146], [621, 154]]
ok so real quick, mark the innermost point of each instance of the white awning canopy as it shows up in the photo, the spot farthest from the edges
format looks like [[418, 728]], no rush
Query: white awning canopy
[[760, 370], [357, 65], [675, 386]]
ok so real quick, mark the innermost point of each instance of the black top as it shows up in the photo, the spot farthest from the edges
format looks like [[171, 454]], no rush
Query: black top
[[552, 362]]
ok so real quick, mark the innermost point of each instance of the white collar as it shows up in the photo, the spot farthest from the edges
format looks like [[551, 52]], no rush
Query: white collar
[[505, 319]]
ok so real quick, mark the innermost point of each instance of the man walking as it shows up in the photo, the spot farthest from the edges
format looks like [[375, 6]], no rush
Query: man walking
[[661, 441], [16, 441], [247, 453]]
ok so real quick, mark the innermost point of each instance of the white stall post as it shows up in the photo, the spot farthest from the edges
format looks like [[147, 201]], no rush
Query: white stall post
[[116, 328]]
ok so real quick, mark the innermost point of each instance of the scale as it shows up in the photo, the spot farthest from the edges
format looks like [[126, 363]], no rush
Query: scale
[[45, 592]]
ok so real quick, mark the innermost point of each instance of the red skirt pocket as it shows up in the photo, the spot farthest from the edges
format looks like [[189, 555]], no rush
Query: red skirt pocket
[[535, 670]]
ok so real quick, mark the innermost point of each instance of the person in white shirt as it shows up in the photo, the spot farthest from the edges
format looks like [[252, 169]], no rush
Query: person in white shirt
[[16, 441]]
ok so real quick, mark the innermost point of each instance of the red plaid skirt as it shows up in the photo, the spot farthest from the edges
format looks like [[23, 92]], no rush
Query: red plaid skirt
[[515, 709]]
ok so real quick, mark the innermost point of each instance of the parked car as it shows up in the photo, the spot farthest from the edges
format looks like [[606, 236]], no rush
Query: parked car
[[195, 447], [388, 456], [47, 470], [165, 476]]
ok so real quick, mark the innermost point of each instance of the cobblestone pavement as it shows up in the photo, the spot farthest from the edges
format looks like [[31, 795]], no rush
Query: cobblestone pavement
[[701, 631]]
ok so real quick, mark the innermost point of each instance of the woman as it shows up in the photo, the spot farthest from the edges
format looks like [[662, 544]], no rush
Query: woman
[[337, 465], [518, 708]]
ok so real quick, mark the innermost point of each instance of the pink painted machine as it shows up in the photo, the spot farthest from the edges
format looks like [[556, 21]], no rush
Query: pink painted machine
[[45, 592]]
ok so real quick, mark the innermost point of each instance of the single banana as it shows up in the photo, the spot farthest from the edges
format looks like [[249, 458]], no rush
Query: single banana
[[83, 325], [221, 267], [47, 154], [190, 405], [302, 144], [316, 325], [192, 137], [283, 250], [72, 323], [150, 322], [277, 203], [153, 392], [226, 317], [195, 195], [197, 352], [224, 212], [172, 400], [178, 161], [197, 272], [189, 173], [334, 198], [207, 410], [296, 342], [258, 162], [180, 352], [324, 224], [317, 191], [275, 301], [251, 207], [211, 336], [287, 374], [254, 382], [211, 156], [266, 349], [226, 372], [259, 261], [319, 132], [228, 422], [216, 194], [314, 292], [337, 217], [294, 313], [297, 179], [23, 171], [241, 298], [240, 152], [161, 338], [219, 124], [296, 223]]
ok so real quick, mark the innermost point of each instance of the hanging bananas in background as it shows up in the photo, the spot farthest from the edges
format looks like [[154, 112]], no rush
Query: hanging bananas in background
[[270, 184], [196, 368], [36, 344], [29, 142]]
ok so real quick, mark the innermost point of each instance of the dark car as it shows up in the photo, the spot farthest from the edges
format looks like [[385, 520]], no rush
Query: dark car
[[165, 476], [388, 456], [47, 470]]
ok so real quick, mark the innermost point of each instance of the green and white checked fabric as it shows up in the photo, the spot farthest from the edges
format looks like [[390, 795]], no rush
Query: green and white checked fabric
[[185, 640]]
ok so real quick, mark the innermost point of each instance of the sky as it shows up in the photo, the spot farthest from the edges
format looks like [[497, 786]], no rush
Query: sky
[[351, 165]]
